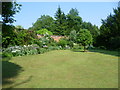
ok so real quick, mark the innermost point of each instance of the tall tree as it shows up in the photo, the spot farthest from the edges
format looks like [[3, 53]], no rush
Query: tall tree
[[45, 21], [9, 9], [73, 20], [60, 22], [110, 31]]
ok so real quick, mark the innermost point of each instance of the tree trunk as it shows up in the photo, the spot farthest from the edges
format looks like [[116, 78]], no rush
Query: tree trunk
[[84, 48]]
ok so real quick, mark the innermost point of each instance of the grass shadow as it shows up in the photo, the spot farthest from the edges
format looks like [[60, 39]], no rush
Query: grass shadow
[[114, 53], [17, 84], [9, 70]]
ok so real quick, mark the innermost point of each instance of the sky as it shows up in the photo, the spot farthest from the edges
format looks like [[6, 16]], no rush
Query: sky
[[89, 11]]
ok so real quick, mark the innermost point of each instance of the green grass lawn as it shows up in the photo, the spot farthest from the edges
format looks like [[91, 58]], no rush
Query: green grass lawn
[[62, 69]]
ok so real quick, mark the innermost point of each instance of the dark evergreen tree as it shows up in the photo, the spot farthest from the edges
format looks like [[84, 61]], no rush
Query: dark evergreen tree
[[110, 31], [60, 22], [74, 21]]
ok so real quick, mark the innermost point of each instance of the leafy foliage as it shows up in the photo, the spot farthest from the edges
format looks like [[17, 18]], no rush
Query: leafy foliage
[[9, 9], [44, 22], [63, 42], [21, 50], [73, 36], [60, 22], [44, 31], [110, 31], [74, 21], [84, 37], [93, 30]]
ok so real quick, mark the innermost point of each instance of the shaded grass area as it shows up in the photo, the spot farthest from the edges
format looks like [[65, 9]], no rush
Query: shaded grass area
[[65, 69], [115, 53], [9, 70]]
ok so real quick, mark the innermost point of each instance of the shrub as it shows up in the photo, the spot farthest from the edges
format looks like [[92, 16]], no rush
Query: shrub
[[84, 37], [53, 48], [6, 56], [22, 50], [46, 40], [77, 46], [71, 44], [62, 42], [41, 50]]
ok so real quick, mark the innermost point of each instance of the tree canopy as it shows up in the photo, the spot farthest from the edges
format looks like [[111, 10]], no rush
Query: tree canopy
[[44, 31], [110, 31], [84, 37], [9, 9], [45, 21]]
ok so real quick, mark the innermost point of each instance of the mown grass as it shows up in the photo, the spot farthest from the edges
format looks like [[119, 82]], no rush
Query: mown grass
[[63, 69]]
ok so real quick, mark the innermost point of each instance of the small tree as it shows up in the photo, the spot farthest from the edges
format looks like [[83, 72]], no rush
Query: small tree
[[84, 37]]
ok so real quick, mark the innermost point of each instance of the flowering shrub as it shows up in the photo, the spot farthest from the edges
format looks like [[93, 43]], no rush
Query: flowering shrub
[[54, 48], [63, 43], [22, 50], [42, 50]]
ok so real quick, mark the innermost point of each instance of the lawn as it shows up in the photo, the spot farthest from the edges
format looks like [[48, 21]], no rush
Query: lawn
[[62, 69]]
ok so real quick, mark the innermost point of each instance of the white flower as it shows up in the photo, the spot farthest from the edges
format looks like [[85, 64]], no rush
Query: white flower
[[45, 46], [74, 44], [15, 51], [25, 46], [60, 46]]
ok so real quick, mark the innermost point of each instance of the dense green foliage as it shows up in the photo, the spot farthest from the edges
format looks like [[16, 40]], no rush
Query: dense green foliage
[[8, 11], [63, 24], [63, 43], [93, 30], [74, 21], [44, 22], [110, 31], [73, 36], [8, 34], [44, 31], [84, 37], [60, 22], [16, 36]]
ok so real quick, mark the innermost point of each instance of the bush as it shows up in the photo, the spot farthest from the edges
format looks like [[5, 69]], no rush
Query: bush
[[77, 46], [41, 50], [54, 43], [71, 44], [6, 56], [63, 42], [46, 40], [22, 50], [53, 48]]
